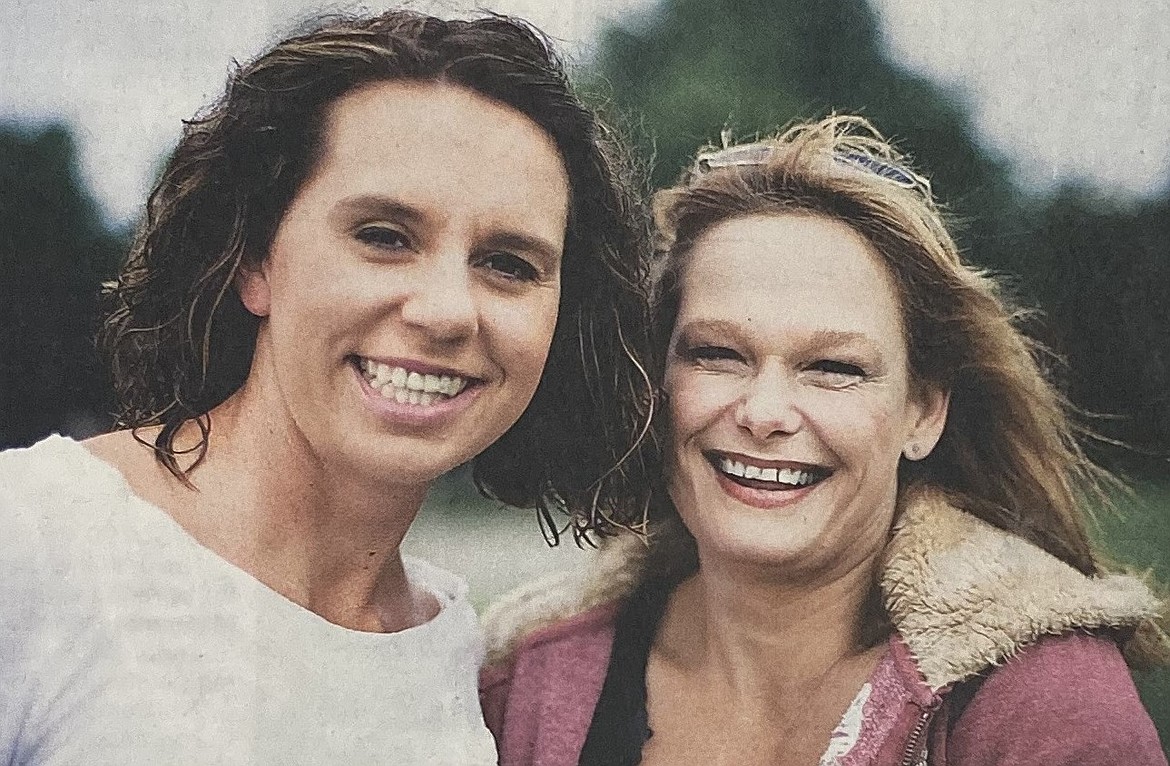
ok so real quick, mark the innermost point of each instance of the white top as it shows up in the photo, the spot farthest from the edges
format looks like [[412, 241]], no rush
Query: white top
[[848, 731], [124, 641]]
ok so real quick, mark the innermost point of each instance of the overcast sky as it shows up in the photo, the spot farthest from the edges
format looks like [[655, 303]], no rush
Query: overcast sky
[[1067, 89]]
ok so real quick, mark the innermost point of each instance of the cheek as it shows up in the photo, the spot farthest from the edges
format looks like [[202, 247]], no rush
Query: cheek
[[523, 332], [872, 416], [687, 412], [311, 274], [696, 401], [868, 434], [322, 308]]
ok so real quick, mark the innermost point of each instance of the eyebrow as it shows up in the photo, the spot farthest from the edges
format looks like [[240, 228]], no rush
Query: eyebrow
[[720, 327], [826, 337], [711, 325], [819, 337], [371, 204]]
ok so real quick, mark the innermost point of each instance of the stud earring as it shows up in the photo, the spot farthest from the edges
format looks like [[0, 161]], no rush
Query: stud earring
[[911, 451]]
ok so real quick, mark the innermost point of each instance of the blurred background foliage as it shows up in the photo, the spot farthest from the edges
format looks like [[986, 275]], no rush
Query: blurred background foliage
[[1099, 268], [55, 249]]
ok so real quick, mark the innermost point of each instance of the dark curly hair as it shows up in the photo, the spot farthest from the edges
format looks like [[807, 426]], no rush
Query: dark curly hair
[[180, 342]]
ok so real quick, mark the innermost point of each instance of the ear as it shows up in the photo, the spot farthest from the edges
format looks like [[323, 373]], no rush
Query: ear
[[930, 407], [251, 284]]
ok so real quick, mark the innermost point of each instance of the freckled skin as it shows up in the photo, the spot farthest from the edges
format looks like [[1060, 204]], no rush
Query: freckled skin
[[809, 365]]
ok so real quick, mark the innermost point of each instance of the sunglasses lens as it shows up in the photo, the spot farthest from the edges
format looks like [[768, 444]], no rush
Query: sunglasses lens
[[747, 155], [877, 167]]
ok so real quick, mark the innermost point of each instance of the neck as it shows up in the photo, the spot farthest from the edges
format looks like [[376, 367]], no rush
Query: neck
[[325, 537], [763, 638]]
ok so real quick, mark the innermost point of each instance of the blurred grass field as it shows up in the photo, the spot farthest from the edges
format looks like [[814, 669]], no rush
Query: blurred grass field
[[496, 548], [1139, 535]]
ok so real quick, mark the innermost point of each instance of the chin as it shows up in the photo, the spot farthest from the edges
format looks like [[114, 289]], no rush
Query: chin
[[779, 545], [394, 464]]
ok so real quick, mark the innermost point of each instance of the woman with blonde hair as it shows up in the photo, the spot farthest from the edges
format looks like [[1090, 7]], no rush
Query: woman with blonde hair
[[870, 547]]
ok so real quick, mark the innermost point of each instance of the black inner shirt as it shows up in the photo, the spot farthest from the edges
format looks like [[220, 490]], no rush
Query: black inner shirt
[[620, 726]]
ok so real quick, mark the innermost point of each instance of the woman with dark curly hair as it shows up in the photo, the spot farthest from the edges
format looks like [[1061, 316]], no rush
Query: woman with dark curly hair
[[871, 550], [394, 245]]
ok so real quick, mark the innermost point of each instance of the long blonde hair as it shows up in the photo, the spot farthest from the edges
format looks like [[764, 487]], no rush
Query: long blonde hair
[[1010, 453]]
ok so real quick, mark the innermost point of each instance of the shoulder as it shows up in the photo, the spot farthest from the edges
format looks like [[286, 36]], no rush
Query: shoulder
[[46, 516], [967, 596], [56, 485], [63, 513], [1054, 669], [584, 639], [568, 617], [548, 645], [58, 470], [555, 603], [37, 485], [24, 470], [563, 663], [1066, 699]]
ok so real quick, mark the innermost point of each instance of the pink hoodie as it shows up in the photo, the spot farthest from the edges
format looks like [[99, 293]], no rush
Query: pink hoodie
[[966, 599], [1064, 700]]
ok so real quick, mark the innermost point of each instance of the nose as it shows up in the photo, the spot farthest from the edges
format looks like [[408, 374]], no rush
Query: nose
[[441, 304], [768, 406]]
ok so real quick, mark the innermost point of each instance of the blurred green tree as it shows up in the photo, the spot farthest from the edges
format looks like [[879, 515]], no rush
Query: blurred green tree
[[753, 65], [1103, 272], [687, 68], [54, 252]]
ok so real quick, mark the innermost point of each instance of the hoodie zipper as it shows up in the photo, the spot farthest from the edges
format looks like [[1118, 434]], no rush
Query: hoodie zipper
[[910, 754]]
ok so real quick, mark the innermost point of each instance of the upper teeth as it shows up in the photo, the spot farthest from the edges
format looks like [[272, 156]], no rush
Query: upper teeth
[[407, 386], [779, 475]]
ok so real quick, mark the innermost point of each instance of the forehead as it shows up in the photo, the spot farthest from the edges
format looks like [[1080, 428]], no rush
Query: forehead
[[444, 145], [781, 272]]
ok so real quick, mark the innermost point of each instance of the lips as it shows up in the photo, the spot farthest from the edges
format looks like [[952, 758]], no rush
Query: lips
[[411, 383], [766, 474]]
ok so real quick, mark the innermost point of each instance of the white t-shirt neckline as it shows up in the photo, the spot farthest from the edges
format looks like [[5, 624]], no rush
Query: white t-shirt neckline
[[446, 587], [127, 641]]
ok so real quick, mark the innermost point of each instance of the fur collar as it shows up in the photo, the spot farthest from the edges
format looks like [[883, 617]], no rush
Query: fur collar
[[963, 594], [608, 575]]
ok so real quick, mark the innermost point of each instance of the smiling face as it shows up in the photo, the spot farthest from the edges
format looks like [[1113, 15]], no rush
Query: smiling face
[[411, 290], [790, 397]]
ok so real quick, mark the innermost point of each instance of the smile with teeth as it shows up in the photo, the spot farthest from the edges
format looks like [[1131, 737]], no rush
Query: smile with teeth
[[406, 387], [779, 478]]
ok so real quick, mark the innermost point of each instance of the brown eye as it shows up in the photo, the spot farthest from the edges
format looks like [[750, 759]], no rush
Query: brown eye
[[838, 368], [713, 354], [384, 237], [510, 266]]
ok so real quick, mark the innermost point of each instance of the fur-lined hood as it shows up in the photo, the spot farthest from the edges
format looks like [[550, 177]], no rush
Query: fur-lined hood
[[963, 594]]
